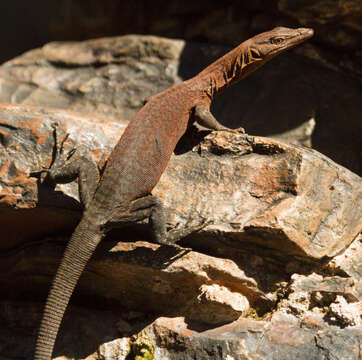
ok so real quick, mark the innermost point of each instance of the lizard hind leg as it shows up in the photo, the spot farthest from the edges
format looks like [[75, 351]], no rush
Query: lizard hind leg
[[162, 236], [66, 169], [151, 207]]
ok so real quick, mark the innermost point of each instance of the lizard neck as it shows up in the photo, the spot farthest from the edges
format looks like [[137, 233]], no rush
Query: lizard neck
[[229, 69]]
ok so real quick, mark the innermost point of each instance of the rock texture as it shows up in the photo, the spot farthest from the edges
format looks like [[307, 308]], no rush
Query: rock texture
[[114, 76], [275, 274]]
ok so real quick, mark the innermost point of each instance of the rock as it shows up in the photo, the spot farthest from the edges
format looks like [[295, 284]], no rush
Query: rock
[[210, 290], [346, 263], [175, 339], [114, 76], [332, 299], [321, 10], [341, 312], [212, 302], [253, 189]]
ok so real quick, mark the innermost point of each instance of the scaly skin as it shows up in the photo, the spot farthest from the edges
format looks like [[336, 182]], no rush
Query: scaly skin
[[137, 162]]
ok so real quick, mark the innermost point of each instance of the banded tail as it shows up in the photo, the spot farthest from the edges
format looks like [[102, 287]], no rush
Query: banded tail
[[79, 250]]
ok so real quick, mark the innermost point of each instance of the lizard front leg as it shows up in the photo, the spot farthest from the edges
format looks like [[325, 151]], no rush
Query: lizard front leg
[[64, 170], [204, 117]]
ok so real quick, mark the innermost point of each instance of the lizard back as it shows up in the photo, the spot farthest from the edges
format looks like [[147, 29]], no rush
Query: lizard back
[[142, 153]]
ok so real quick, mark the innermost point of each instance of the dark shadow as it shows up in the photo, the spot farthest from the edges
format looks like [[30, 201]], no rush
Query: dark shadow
[[48, 197], [245, 252], [159, 259], [190, 139]]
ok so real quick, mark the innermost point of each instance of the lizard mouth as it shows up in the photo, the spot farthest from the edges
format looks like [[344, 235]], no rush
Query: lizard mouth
[[306, 33], [303, 34]]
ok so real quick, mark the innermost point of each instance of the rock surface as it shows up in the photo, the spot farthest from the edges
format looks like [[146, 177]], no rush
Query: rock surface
[[276, 272]]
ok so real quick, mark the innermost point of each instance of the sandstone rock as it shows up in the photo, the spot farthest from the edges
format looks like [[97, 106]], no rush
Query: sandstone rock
[[283, 338], [212, 302], [347, 262], [315, 299], [344, 313], [113, 76]]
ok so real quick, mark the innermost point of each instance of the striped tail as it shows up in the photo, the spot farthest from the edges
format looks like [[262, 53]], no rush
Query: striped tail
[[79, 250]]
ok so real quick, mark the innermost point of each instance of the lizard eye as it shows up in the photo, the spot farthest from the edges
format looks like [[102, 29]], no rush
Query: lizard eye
[[276, 41]]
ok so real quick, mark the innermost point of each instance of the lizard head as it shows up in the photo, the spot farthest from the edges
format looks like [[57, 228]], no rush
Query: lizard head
[[269, 44]]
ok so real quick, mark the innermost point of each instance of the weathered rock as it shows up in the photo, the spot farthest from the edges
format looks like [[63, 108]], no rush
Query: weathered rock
[[332, 299], [341, 312], [84, 336], [347, 262], [113, 77], [252, 189]]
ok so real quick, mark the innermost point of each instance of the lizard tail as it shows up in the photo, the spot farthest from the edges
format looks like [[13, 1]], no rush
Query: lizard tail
[[79, 250]]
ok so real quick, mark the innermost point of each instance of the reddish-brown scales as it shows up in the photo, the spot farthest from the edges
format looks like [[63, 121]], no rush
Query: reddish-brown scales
[[139, 159], [141, 155]]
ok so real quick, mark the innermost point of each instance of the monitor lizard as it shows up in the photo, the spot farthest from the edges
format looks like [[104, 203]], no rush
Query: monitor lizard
[[123, 192]]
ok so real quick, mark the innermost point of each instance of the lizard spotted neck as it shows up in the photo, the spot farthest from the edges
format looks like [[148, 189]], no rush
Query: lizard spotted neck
[[249, 56]]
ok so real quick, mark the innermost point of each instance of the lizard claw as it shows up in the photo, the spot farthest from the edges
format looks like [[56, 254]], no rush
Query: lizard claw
[[61, 157]]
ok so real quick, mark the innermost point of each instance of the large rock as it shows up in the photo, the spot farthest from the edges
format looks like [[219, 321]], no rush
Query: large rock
[[114, 76], [252, 188], [103, 335], [276, 271]]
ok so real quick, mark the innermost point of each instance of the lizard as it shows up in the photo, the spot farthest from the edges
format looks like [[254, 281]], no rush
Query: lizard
[[122, 193]]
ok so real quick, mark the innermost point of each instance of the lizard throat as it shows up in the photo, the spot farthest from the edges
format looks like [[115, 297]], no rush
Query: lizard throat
[[233, 67]]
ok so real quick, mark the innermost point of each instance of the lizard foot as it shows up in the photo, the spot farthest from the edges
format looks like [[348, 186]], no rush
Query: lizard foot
[[175, 235], [59, 159]]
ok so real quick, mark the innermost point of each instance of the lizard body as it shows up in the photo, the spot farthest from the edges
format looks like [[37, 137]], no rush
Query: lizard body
[[123, 193]]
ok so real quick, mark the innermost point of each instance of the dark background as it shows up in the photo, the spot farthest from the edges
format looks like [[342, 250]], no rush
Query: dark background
[[25, 25]]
